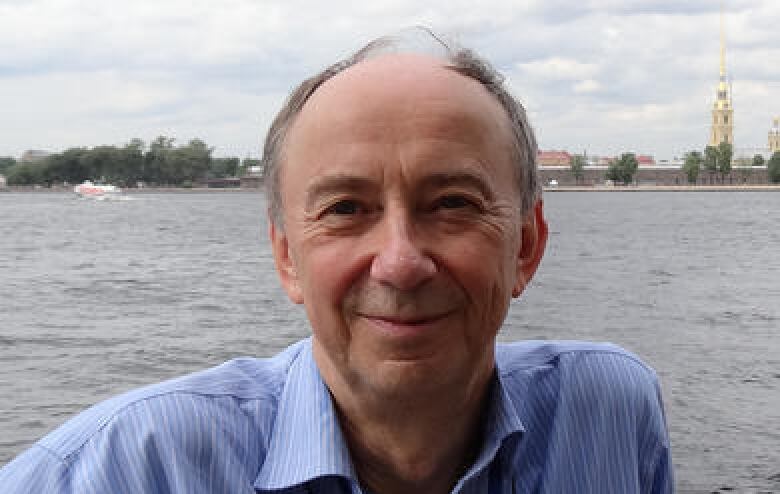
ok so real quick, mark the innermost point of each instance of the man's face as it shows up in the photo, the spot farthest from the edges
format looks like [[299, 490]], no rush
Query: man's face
[[402, 235]]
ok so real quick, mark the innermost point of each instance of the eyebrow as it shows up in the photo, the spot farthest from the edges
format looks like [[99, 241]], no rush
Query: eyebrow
[[334, 184], [341, 183], [470, 179]]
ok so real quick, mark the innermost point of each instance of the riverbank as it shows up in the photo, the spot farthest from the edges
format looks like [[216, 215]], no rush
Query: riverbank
[[665, 188], [142, 190]]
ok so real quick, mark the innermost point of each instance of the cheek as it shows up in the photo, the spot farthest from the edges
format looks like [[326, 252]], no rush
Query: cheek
[[486, 271], [484, 259], [332, 269]]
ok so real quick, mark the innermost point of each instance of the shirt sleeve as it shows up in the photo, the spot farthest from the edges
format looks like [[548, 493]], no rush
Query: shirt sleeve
[[663, 480], [180, 443], [663, 474], [611, 433], [35, 470], [103, 466]]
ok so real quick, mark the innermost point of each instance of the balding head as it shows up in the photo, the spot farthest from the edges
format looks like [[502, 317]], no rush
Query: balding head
[[406, 71]]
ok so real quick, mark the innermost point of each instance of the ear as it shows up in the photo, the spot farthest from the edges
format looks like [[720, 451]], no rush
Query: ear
[[285, 265], [532, 243]]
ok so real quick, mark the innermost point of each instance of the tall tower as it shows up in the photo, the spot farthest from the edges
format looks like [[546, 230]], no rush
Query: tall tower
[[722, 111], [774, 136]]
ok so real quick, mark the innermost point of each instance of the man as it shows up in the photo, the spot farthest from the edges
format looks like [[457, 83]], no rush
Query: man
[[405, 214]]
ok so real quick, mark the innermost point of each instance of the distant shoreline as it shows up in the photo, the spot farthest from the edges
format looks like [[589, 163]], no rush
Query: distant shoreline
[[143, 190], [665, 188]]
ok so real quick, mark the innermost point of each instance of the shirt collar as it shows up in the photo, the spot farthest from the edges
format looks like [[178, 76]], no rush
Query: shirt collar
[[502, 425], [306, 441]]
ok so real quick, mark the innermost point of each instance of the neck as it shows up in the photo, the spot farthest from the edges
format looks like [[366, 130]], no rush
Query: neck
[[414, 447], [412, 443]]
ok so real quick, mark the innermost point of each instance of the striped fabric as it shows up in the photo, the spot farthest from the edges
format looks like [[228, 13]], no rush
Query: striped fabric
[[564, 417]]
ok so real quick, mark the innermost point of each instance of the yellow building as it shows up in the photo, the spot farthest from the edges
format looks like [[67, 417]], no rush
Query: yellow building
[[774, 137], [722, 111]]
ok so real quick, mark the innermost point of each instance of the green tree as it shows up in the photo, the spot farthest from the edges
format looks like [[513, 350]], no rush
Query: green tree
[[224, 167], [758, 160], [125, 166], [692, 165], [578, 167], [165, 164], [190, 162], [773, 168], [101, 161], [623, 169], [25, 174], [72, 166], [613, 172], [155, 160], [6, 162], [725, 154], [128, 167], [711, 160]]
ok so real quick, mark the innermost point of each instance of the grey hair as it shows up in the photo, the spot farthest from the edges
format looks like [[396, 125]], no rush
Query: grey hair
[[464, 61]]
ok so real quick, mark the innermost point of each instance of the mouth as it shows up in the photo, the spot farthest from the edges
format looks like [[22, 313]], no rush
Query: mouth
[[406, 326]]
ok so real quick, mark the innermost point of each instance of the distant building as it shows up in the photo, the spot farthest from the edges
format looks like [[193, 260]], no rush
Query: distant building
[[605, 160], [722, 124], [33, 155], [774, 136], [553, 158], [3, 182], [652, 175], [722, 127], [645, 160]]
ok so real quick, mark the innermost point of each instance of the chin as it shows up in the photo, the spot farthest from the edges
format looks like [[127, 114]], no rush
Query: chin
[[414, 379]]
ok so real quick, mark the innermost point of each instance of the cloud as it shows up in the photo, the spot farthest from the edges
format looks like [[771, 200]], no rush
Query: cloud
[[587, 86], [601, 74], [557, 68]]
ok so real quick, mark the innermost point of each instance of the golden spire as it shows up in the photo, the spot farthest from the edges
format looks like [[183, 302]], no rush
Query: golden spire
[[724, 97], [722, 45], [722, 113]]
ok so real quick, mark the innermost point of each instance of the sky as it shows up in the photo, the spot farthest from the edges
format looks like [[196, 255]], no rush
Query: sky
[[597, 76]]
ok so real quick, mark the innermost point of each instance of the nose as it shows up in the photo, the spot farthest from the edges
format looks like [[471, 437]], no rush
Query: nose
[[399, 260]]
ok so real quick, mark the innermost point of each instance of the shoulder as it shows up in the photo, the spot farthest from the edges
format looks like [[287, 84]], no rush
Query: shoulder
[[585, 359], [583, 378], [205, 432], [592, 414], [240, 394]]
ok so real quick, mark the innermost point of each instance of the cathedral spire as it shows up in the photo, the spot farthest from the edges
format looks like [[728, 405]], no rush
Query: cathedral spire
[[722, 126], [774, 136], [722, 46]]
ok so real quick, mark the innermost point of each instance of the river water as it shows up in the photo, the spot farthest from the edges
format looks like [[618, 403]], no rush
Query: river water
[[100, 297]]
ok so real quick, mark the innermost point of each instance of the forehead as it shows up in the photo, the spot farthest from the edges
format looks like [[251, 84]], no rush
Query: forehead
[[398, 121], [399, 96], [401, 78]]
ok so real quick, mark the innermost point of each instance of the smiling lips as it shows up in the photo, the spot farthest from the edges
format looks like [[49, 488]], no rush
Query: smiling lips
[[405, 326]]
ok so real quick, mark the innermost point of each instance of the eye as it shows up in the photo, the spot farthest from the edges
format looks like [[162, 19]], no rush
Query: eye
[[453, 202], [343, 208]]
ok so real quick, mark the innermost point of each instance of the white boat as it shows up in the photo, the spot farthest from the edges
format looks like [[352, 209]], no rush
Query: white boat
[[96, 191]]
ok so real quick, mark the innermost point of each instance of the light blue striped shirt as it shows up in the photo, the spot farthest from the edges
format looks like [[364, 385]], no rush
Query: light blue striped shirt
[[564, 417]]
